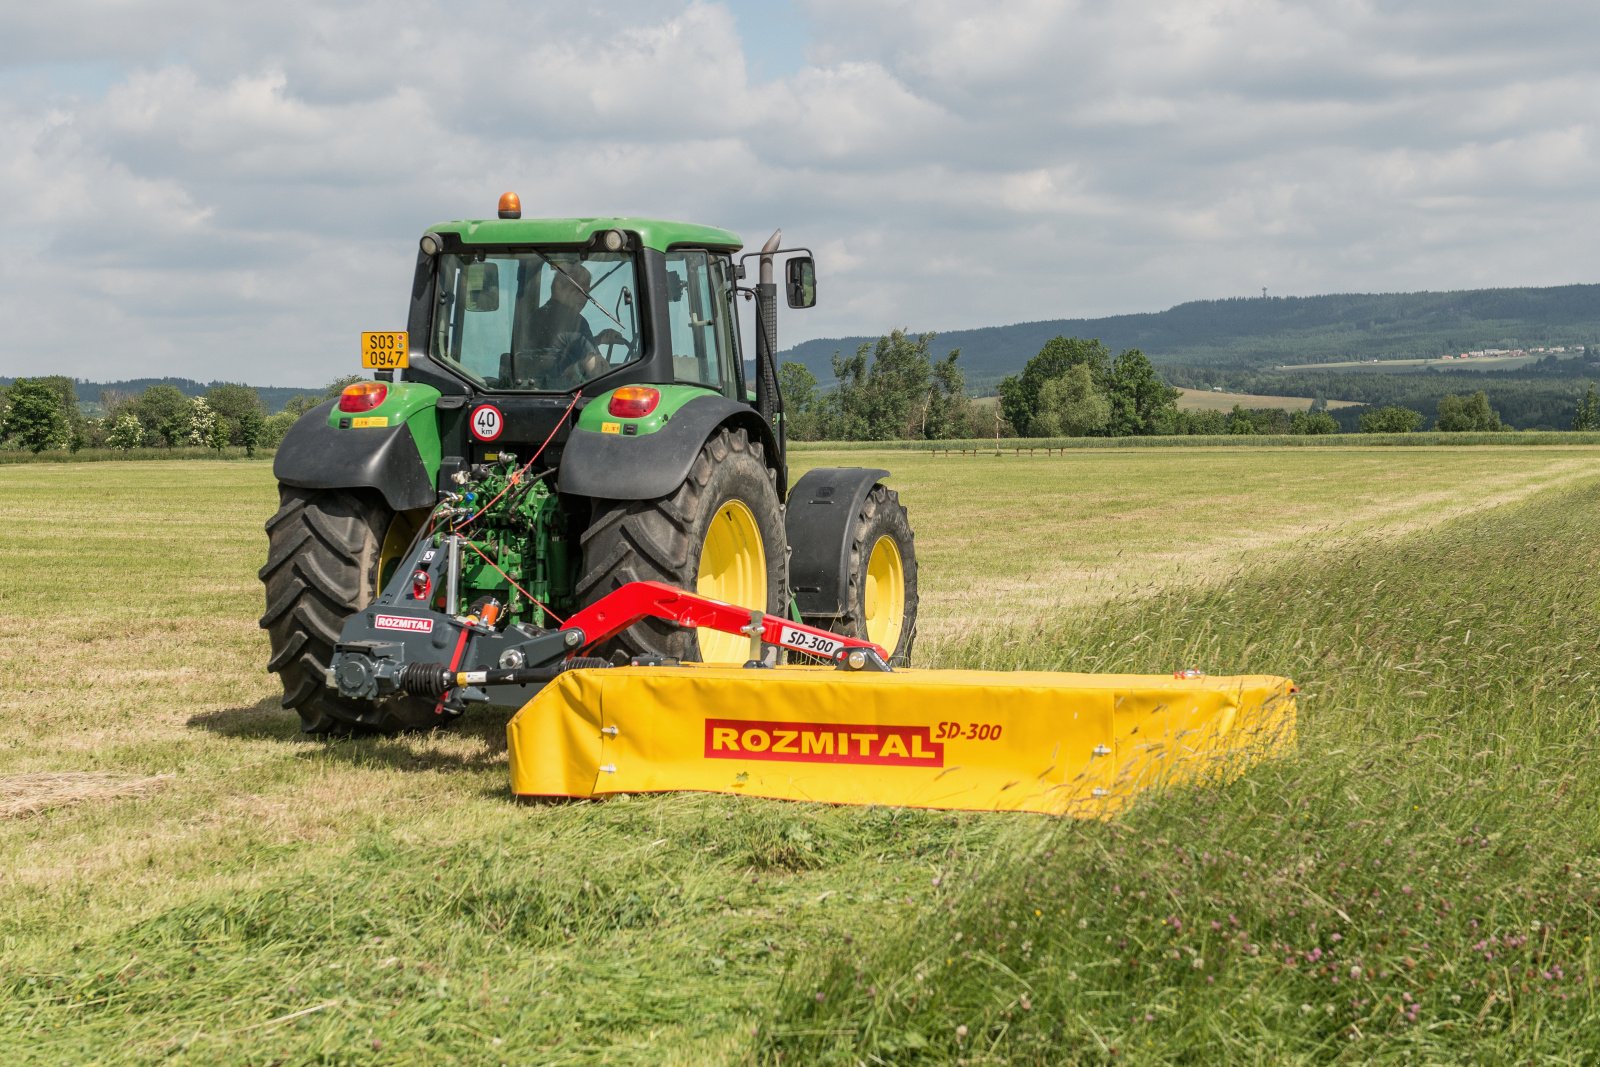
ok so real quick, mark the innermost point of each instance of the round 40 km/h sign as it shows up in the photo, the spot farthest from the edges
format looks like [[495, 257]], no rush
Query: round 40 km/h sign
[[487, 422]]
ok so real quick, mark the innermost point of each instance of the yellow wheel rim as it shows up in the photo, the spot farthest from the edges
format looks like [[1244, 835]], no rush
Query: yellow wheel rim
[[885, 594], [402, 531], [733, 569]]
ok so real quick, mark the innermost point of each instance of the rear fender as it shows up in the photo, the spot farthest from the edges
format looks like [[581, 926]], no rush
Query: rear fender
[[610, 464], [398, 456], [820, 521]]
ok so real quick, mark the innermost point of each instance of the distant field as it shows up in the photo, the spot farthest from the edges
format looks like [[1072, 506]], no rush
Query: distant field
[[1210, 400], [187, 878], [1481, 363]]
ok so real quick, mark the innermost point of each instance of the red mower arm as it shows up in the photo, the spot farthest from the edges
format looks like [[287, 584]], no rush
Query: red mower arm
[[619, 610]]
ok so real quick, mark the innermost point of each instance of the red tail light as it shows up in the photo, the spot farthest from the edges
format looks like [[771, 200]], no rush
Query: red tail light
[[634, 401], [362, 396], [420, 585]]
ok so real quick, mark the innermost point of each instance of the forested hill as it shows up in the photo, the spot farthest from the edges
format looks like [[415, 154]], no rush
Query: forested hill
[[1266, 331]]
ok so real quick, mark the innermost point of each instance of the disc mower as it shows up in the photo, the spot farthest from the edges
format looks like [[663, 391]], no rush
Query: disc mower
[[563, 491]]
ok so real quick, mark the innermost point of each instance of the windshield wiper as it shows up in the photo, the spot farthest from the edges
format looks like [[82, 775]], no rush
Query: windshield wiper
[[553, 265]]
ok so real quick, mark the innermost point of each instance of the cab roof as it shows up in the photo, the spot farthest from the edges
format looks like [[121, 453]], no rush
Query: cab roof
[[658, 234]]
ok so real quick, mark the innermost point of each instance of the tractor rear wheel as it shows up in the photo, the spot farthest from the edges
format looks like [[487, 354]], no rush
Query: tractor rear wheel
[[882, 602], [327, 550], [719, 534]]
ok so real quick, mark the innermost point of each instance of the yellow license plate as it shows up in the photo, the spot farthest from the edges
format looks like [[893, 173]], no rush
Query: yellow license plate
[[385, 351]]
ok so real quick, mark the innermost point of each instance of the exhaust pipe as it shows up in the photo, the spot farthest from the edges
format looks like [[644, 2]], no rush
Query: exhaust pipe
[[768, 401]]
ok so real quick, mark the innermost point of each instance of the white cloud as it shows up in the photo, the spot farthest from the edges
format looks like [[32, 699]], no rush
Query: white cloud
[[235, 192]]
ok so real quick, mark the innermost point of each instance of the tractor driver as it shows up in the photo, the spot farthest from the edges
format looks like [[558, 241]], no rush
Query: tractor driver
[[558, 350]]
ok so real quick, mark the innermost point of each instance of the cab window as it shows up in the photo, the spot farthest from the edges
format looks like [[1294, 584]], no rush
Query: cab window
[[541, 321], [701, 320]]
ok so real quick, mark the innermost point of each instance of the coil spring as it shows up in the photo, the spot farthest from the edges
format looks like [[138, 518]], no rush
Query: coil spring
[[429, 680]]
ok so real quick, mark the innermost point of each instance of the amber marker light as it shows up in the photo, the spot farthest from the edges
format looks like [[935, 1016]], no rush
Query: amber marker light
[[510, 206], [362, 396], [634, 401]]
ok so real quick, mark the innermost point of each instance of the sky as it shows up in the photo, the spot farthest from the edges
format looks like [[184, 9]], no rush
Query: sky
[[235, 191]]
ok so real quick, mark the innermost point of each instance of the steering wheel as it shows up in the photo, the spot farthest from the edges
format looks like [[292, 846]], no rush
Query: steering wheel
[[610, 339], [559, 365]]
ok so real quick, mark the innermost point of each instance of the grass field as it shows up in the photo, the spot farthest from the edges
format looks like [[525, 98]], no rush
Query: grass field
[[189, 879]]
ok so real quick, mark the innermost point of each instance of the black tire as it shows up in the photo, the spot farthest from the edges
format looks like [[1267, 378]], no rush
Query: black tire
[[323, 549], [881, 515], [661, 540]]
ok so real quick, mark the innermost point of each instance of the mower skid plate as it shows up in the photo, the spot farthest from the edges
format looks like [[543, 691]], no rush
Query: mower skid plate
[[1061, 744]]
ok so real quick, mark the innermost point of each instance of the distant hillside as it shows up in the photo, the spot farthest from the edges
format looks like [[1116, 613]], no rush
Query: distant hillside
[[273, 398], [1266, 331]]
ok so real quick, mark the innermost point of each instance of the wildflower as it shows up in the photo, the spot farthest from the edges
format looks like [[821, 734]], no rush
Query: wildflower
[[1355, 972]]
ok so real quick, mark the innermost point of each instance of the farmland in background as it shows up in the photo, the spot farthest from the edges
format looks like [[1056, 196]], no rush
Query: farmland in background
[[188, 877]]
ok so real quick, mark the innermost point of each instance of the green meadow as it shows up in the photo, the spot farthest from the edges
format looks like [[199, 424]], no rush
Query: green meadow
[[188, 879]]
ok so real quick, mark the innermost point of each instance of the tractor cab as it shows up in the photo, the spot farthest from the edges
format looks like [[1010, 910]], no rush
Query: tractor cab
[[530, 320]]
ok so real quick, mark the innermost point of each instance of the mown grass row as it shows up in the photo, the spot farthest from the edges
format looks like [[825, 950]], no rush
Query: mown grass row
[[1421, 882]]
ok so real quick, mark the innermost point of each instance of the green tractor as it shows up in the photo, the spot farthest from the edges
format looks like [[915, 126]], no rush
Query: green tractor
[[567, 412]]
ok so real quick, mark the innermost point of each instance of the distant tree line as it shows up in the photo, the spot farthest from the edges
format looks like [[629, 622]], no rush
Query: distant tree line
[[40, 414]]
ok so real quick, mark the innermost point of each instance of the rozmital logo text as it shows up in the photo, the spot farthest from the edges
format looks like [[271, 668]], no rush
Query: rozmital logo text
[[823, 742]]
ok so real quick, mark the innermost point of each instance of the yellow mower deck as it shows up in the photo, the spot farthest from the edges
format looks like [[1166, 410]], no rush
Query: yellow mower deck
[[1061, 744]]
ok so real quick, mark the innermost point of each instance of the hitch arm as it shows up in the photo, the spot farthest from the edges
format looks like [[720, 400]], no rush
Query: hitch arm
[[620, 609]]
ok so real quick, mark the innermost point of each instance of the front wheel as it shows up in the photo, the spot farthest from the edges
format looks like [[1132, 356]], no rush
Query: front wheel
[[327, 551], [720, 534]]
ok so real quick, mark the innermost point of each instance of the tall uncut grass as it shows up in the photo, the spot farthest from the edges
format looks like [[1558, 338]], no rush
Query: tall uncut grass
[[1421, 882]]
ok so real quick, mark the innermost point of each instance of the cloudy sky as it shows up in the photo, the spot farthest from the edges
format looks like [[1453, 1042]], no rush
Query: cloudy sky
[[234, 191]]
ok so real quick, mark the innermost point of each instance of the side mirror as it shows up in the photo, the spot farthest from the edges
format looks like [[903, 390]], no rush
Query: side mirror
[[483, 287], [801, 281]]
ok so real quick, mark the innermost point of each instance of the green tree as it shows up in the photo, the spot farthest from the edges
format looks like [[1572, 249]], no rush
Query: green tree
[[126, 432], [802, 407], [945, 410], [1312, 422], [1240, 422], [273, 427], [1020, 394], [251, 427], [1141, 403], [1588, 416], [1390, 419], [165, 412], [233, 403], [34, 417], [885, 390], [1459, 414], [1072, 405]]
